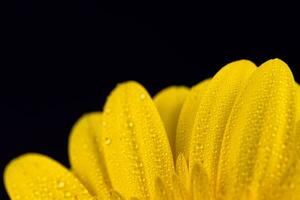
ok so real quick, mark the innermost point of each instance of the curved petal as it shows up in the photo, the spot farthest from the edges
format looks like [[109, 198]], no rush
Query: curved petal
[[213, 112], [86, 155], [135, 144], [35, 177], [187, 117], [169, 102], [298, 100], [258, 146]]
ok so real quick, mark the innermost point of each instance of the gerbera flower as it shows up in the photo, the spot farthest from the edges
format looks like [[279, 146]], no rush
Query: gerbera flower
[[235, 136]]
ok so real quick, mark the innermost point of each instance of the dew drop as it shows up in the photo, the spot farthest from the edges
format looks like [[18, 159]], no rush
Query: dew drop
[[130, 124], [68, 194], [107, 141], [142, 96], [85, 191], [60, 184]]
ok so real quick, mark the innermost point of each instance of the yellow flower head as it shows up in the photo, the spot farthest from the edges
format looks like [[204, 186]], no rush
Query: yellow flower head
[[234, 136]]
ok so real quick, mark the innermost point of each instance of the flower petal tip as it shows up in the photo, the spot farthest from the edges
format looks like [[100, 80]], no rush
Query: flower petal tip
[[36, 176]]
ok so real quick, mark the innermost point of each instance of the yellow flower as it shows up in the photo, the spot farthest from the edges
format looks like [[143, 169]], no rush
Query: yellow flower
[[234, 136]]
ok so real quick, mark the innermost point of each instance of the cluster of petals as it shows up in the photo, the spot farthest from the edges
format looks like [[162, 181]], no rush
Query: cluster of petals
[[233, 136]]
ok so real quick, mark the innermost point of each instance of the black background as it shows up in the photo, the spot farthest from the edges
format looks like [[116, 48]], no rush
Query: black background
[[60, 59]]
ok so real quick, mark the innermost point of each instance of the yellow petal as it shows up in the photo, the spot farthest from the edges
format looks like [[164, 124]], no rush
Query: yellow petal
[[179, 189], [135, 144], [187, 117], [169, 102], [213, 112], [258, 145], [297, 132], [182, 171], [200, 184], [298, 100], [291, 187], [35, 177], [116, 196], [161, 192], [288, 189], [182, 178], [86, 155]]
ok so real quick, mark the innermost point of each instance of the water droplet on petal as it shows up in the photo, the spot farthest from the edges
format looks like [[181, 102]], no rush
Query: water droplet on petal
[[142, 96], [107, 141], [60, 184], [68, 194], [85, 191], [130, 124]]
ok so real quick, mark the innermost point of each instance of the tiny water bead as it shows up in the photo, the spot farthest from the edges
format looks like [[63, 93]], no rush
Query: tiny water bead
[[60, 184], [142, 96], [68, 194], [107, 141], [130, 124]]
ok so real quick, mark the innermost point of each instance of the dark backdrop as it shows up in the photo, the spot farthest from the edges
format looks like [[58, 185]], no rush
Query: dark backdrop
[[60, 59]]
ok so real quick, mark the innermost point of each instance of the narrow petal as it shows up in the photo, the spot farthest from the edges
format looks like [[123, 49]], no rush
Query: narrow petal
[[258, 145], [200, 184], [135, 144], [179, 189], [169, 102], [213, 112], [187, 117], [86, 155], [35, 177], [161, 192], [182, 171]]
